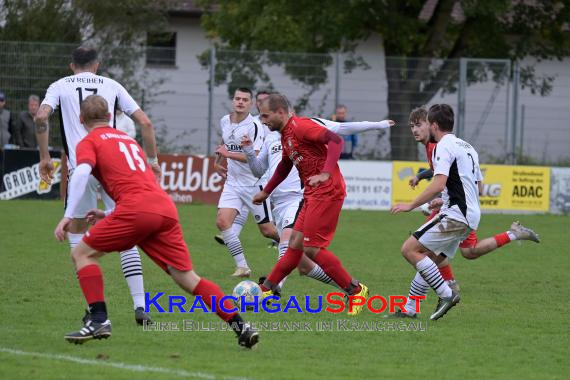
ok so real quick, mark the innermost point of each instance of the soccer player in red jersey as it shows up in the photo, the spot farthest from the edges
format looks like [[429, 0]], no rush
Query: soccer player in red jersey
[[315, 151], [471, 248], [144, 215]]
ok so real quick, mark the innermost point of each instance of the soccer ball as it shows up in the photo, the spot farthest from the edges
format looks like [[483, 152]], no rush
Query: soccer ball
[[249, 290]]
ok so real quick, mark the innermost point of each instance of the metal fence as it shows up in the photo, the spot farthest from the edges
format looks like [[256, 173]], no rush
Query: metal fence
[[190, 92]]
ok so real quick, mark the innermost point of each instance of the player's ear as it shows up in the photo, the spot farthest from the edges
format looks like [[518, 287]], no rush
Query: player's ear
[[72, 67], [109, 116]]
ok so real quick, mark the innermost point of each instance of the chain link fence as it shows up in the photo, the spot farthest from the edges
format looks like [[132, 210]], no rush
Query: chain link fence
[[187, 95]]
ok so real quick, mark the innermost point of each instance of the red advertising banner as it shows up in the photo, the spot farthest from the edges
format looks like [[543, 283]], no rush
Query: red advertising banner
[[190, 179]]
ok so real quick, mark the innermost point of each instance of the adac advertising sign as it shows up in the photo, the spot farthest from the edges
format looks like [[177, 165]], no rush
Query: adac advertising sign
[[518, 188]]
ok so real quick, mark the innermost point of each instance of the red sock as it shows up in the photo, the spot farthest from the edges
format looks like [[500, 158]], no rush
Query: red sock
[[446, 273], [284, 266], [502, 239], [206, 289], [91, 282], [333, 268]]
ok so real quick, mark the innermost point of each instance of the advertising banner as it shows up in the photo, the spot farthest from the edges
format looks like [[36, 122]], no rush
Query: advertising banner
[[368, 184], [513, 188], [190, 179], [560, 190], [21, 178]]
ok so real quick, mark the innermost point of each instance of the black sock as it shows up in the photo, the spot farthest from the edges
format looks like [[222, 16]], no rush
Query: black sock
[[236, 323], [98, 311]]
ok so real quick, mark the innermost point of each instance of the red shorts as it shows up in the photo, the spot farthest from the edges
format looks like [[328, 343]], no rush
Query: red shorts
[[317, 221], [158, 236], [470, 241]]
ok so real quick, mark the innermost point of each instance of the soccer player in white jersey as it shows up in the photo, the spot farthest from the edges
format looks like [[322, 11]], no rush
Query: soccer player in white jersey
[[241, 218], [241, 185], [456, 175], [67, 94]]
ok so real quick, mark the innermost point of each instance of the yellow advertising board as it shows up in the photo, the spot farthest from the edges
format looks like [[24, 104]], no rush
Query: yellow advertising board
[[523, 188]]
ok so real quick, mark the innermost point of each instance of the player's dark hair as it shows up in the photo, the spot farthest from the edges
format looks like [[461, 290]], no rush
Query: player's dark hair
[[418, 115], [245, 89], [262, 92], [84, 56], [276, 102], [443, 115]]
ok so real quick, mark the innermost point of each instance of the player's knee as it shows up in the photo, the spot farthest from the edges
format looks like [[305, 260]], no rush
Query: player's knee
[[222, 224], [303, 269], [311, 252], [468, 253]]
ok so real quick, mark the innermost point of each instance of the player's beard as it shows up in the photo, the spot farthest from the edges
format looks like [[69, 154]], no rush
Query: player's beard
[[432, 138]]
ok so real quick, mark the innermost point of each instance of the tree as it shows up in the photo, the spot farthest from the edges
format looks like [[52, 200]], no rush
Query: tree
[[434, 33]]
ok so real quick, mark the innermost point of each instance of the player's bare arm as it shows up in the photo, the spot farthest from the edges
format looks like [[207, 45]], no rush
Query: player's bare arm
[[149, 140], [94, 215], [434, 188], [46, 167]]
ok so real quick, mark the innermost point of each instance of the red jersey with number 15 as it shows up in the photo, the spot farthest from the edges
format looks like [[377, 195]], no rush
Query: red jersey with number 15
[[300, 140], [120, 165]]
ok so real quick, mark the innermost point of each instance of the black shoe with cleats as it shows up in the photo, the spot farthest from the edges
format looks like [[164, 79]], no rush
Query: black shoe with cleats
[[399, 314], [91, 330], [248, 337], [141, 317]]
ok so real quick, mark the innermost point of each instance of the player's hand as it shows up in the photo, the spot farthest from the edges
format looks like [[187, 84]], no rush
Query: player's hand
[[61, 229], [157, 172], [260, 197], [94, 215], [391, 122], [222, 171], [222, 151], [246, 141], [46, 169], [414, 182], [401, 207], [435, 204], [318, 179]]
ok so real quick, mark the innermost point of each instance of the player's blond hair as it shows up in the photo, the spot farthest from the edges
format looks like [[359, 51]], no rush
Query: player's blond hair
[[94, 109], [418, 115]]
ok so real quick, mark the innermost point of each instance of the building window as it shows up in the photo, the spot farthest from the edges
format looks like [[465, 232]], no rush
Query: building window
[[161, 49]]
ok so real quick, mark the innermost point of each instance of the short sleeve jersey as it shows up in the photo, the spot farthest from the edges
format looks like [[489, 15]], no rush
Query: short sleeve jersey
[[458, 160], [300, 141], [67, 95], [239, 173], [120, 165]]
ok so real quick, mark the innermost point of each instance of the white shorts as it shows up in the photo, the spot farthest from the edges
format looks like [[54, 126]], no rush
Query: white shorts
[[89, 199], [442, 235], [237, 197], [285, 212]]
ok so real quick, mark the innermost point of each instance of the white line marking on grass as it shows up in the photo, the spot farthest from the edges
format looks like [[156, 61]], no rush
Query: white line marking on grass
[[119, 365]]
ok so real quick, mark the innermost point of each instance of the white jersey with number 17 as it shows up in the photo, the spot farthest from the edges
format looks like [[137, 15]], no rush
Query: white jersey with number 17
[[67, 95]]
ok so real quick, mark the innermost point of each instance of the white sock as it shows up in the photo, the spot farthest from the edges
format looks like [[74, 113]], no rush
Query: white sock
[[428, 270], [234, 246], [132, 270], [418, 287], [319, 274], [239, 222], [511, 235], [74, 239]]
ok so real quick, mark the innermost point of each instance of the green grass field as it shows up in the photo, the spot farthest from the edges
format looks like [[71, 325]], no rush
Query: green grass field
[[512, 322]]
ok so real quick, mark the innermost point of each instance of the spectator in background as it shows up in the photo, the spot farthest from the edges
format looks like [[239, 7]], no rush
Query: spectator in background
[[350, 141], [25, 129], [125, 124], [6, 124]]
